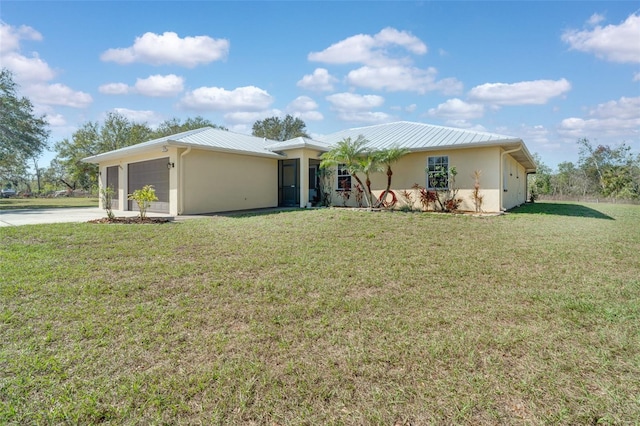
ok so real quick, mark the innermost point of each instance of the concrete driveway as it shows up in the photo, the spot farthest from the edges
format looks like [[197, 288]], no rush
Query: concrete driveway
[[60, 215]]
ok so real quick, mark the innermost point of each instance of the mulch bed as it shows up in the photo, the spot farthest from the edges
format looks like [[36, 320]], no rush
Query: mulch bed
[[132, 220]]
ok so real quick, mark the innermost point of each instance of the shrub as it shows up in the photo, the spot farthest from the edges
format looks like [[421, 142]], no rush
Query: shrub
[[143, 198]]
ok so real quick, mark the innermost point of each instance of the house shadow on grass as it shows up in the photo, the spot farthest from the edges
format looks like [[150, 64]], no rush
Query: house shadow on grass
[[560, 209], [251, 212]]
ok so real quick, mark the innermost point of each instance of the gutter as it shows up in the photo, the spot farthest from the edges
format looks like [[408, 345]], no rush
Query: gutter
[[181, 183], [502, 173]]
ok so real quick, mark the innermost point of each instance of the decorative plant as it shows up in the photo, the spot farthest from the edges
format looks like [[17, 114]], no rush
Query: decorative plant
[[426, 197], [359, 194], [408, 201], [106, 196], [143, 198], [345, 192], [475, 195], [446, 190]]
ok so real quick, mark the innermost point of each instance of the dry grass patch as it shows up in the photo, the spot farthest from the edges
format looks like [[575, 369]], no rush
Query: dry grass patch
[[325, 317]]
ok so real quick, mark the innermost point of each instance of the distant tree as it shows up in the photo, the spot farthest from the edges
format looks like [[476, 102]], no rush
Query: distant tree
[[91, 139], [23, 135], [609, 170], [174, 126], [280, 130], [540, 182]]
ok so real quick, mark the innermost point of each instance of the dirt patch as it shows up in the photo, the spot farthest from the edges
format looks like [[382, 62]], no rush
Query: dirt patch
[[132, 220]]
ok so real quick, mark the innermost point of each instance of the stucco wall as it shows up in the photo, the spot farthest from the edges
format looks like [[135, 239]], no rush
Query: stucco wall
[[215, 182], [515, 183], [411, 170]]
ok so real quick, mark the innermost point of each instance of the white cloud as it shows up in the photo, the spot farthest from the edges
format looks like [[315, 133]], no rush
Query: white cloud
[[249, 98], [398, 78], [619, 119], [245, 119], [370, 50], [595, 19], [535, 92], [56, 120], [114, 89], [615, 43], [169, 48], [352, 101], [320, 80], [25, 69], [160, 85], [11, 36], [152, 118], [305, 108], [58, 94], [636, 76], [364, 116], [456, 109]]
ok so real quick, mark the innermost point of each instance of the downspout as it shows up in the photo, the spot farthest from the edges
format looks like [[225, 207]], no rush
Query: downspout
[[181, 183], [502, 173]]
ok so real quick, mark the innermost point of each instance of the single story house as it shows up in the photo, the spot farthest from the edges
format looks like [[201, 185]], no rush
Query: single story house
[[211, 170]]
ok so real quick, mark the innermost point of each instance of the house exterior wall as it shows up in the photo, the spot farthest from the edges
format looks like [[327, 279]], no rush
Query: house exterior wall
[[216, 182], [514, 183], [304, 154], [123, 178], [411, 169]]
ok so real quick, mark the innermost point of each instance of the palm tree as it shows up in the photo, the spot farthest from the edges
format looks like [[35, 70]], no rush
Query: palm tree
[[350, 153], [370, 163], [387, 157]]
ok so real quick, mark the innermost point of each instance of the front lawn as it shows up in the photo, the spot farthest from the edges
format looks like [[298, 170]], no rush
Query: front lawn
[[325, 316], [47, 203]]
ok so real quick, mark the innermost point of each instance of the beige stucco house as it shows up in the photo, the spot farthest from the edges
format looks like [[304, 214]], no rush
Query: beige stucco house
[[211, 170]]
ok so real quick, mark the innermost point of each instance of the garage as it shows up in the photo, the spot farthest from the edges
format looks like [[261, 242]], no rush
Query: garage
[[152, 172]]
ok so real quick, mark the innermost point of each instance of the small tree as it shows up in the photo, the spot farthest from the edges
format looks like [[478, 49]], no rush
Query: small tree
[[106, 196], [388, 157], [143, 198], [475, 195]]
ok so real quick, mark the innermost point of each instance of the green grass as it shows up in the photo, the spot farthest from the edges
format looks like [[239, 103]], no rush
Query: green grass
[[325, 317], [47, 203]]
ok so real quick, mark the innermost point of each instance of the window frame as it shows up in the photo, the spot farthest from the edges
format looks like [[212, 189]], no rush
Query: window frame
[[432, 163], [345, 175]]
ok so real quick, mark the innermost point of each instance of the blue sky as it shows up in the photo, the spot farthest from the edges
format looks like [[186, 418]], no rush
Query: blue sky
[[547, 72]]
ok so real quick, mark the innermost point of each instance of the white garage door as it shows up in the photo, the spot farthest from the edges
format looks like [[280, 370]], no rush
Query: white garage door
[[152, 172]]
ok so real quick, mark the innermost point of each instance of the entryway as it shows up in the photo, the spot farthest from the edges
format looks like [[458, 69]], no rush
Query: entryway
[[288, 183]]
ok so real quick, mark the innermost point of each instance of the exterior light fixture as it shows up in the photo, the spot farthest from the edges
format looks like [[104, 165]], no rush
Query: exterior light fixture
[[170, 165], [164, 148]]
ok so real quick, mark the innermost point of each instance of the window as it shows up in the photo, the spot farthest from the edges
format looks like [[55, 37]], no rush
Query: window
[[438, 172], [344, 178]]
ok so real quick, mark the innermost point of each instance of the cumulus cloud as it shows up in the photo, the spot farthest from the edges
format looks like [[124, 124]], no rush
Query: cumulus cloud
[[636, 76], [535, 92], [618, 118], [352, 101], [160, 85], [305, 108], [396, 78], [456, 109], [26, 69], [11, 36], [357, 108], [248, 98], [320, 81], [615, 43], [58, 94], [152, 118], [375, 50], [169, 48], [114, 89]]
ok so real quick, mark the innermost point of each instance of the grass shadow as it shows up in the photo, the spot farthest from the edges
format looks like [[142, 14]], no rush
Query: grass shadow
[[560, 209], [238, 214]]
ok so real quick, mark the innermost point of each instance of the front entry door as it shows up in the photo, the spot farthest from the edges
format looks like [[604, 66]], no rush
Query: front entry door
[[288, 183]]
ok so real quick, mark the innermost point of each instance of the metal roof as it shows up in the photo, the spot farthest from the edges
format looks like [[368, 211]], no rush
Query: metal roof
[[298, 142], [403, 134], [204, 138], [415, 136], [428, 137]]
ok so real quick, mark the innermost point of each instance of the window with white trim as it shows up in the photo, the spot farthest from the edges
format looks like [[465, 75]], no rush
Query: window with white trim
[[344, 178], [438, 172]]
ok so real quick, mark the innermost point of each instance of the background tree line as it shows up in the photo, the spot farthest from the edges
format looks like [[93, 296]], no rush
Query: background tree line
[[601, 172]]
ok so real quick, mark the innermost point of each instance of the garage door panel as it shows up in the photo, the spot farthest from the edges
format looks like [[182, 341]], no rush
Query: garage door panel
[[152, 172]]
